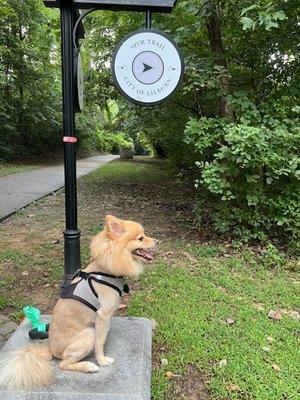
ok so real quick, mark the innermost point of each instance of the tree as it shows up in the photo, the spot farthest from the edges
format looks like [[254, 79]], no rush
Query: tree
[[213, 17], [30, 83]]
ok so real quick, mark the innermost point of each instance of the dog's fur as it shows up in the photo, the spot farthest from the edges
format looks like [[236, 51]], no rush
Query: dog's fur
[[76, 330]]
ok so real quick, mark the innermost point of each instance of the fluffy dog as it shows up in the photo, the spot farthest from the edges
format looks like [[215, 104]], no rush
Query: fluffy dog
[[76, 330]]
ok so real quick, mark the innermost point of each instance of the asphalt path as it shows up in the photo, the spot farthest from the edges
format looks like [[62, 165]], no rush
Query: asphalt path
[[19, 190]]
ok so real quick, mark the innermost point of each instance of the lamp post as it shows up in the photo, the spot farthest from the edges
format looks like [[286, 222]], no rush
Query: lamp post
[[71, 26], [71, 233]]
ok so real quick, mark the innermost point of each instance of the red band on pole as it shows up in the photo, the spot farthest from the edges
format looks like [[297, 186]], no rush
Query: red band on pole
[[69, 139]]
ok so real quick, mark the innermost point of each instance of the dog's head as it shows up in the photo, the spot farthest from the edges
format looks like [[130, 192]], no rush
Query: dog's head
[[122, 248]]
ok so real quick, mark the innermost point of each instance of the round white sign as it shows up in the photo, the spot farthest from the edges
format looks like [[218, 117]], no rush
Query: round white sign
[[147, 67]]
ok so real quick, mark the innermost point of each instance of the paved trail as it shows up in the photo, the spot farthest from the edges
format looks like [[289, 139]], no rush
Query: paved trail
[[19, 190]]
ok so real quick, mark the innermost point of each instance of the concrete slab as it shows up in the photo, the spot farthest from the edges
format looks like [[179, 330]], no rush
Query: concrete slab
[[129, 343], [19, 190]]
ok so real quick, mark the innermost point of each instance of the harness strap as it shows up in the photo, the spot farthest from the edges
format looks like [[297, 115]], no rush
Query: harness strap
[[82, 274], [112, 281], [106, 284]]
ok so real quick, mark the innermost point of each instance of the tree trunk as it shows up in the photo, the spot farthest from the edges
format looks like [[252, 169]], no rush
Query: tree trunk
[[22, 128], [218, 52]]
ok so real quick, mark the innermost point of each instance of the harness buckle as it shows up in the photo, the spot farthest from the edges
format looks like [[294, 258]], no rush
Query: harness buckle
[[77, 274]]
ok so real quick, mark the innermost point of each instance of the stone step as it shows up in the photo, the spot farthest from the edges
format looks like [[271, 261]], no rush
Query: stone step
[[128, 342]]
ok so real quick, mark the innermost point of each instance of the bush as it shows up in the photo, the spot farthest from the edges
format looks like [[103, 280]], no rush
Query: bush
[[142, 146], [272, 257], [250, 174], [112, 142]]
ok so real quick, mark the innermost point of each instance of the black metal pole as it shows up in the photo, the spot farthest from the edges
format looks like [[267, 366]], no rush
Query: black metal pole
[[71, 234], [148, 19]]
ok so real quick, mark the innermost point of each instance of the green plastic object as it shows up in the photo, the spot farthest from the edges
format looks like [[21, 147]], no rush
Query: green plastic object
[[33, 315]]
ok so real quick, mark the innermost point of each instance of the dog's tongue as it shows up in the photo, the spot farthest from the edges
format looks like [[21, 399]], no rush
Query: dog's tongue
[[148, 254], [145, 254]]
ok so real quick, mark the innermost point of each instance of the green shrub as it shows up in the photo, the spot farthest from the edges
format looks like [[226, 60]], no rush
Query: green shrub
[[272, 257], [250, 175], [112, 142]]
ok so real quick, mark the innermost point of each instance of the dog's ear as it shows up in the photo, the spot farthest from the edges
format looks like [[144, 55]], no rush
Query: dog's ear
[[114, 227]]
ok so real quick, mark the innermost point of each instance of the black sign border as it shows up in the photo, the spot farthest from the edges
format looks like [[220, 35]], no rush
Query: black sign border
[[137, 102], [76, 86]]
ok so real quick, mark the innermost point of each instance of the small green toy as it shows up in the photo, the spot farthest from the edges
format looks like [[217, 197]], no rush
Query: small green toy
[[33, 315]]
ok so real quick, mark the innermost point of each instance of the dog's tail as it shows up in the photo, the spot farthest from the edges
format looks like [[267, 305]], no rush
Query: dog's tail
[[26, 368]]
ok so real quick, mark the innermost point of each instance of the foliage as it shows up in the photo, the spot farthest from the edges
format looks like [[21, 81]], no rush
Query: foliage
[[30, 88], [263, 15], [30, 100], [112, 143], [272, 257], [251, 173]]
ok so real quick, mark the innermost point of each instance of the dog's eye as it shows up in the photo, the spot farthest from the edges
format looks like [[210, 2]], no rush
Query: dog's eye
[[140, 238]]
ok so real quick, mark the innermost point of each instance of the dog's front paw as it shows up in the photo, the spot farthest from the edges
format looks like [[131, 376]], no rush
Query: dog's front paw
[[91, 367], [105, 361]]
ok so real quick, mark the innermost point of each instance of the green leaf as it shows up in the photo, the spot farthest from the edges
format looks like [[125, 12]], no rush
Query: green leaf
[[248, 23], [280, 15], [253, 7], [270, 24]]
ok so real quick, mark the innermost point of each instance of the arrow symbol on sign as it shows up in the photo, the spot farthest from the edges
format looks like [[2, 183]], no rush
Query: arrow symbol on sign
[[146, 67]]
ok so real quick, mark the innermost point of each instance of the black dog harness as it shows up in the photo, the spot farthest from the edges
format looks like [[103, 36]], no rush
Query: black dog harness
[[84, 291]]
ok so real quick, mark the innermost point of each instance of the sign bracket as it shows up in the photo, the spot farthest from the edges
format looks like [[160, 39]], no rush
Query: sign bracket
[[149, 19], [77, 23]]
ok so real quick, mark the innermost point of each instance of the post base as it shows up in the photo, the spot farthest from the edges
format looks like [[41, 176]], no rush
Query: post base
[[72, 254]]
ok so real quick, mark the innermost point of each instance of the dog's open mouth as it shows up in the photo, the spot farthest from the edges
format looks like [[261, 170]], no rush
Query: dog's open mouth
[[144, 254]]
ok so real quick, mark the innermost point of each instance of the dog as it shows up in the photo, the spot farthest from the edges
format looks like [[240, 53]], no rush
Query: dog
[[80, 326]]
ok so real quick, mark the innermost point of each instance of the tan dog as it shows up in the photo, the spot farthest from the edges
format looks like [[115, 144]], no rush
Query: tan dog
[[76, 330]]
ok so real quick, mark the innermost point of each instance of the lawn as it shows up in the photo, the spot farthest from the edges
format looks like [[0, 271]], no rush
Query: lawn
[[212, 313], [209, 299], [9, 169]]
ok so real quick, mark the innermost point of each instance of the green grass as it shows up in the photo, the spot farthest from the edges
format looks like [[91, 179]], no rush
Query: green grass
[[130, 171], [191, 309], [33, 263], [22, 272], [9, 169], [6, 301]]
